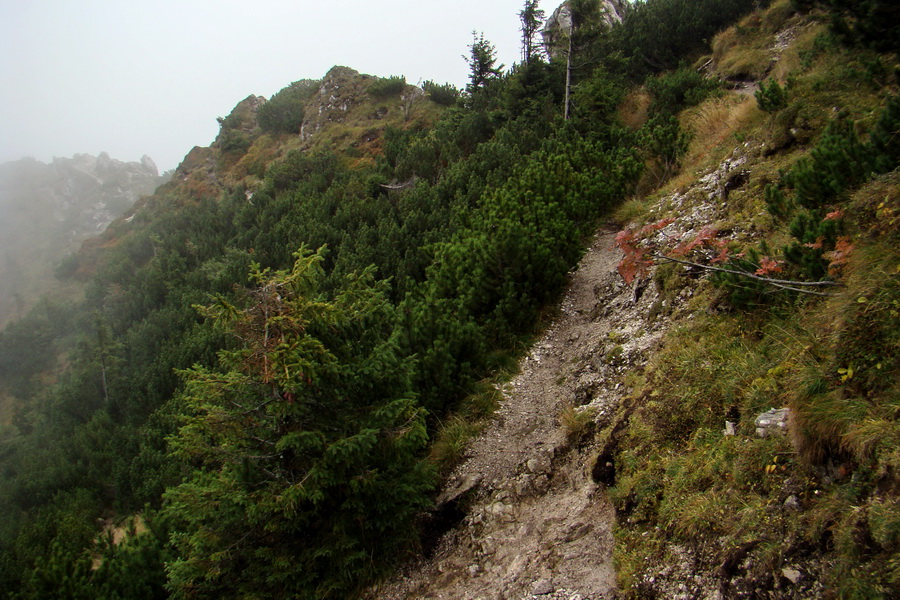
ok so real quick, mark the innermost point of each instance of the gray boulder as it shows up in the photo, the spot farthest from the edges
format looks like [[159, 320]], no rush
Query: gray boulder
[[772, 422]]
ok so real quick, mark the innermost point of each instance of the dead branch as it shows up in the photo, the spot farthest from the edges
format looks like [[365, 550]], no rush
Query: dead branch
[[786, 284]]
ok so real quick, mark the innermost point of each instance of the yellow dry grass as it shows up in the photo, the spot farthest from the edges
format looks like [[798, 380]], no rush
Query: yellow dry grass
[[714, 126], [746, 50], [717, 120], [790, 60]]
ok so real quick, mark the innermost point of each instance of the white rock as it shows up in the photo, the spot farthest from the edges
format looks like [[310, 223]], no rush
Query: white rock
[[542, 587], [772, 422], [792, 575]]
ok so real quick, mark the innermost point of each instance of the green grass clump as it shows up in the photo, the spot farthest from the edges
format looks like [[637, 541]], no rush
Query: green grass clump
[[467, 421]]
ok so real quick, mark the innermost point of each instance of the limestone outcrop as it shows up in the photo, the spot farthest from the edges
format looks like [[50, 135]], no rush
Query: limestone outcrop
[[559, 25], [341, 90]]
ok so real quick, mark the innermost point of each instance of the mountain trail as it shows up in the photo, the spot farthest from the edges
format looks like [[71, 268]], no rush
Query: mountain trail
[[533, 523]]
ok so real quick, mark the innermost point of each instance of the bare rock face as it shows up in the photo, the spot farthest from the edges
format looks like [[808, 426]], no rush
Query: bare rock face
[[559, 25], [236, 130]]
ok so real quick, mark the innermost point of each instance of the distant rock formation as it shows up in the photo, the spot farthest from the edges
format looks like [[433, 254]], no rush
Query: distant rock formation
[[47, 210], [339, 101], [559, 24]]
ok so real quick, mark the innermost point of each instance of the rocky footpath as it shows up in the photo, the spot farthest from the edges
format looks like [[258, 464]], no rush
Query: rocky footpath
[[536, 523], [529, 496]]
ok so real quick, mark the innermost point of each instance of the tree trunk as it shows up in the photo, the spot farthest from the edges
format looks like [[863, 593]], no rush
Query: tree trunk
[[568, 76]]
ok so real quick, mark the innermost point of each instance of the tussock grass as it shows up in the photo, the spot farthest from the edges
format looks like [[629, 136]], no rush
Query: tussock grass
[[717, 126], [576, 423], [742, 52], [468, 421], [450, 442], [746, 51], [629, 211], [684, 482], [717, 122], [835, 362], [679, 473]]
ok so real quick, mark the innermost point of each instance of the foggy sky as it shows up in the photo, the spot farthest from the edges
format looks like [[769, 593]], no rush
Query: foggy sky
[[133, 78]]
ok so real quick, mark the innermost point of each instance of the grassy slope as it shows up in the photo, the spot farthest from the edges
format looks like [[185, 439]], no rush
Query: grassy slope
[[741, 513]]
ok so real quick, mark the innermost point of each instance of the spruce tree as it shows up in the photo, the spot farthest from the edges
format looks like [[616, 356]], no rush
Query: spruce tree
[[531, 18], [482, 61], [305, 444]]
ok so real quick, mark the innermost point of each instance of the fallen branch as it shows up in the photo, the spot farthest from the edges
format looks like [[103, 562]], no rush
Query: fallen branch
[[786, 284], [400, 186]]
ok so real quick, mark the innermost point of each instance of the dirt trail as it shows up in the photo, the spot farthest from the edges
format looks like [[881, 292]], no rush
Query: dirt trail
[[536, 524]]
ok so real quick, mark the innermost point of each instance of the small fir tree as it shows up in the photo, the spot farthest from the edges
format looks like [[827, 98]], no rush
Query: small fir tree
[[531, 18], [482, 61], [305, 444]]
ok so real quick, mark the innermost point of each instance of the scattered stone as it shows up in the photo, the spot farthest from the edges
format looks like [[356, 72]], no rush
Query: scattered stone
[[792, 575], [541, 484], [577, 531], [772, 422], [538, 465], [792, 502], [542, 587], [523, 487], [466, 484], [729, 428]]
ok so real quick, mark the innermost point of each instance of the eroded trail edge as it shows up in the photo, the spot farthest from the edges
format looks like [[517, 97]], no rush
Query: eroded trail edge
[[536, 523]]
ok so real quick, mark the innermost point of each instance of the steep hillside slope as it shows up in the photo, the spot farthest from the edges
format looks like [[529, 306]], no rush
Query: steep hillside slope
[[346, 114], [536, 518], [641, 410]]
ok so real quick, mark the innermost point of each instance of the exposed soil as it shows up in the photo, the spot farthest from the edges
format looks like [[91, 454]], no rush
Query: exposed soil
[[536, 524]]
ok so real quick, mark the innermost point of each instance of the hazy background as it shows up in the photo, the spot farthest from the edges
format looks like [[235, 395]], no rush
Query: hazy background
[[134, 78]]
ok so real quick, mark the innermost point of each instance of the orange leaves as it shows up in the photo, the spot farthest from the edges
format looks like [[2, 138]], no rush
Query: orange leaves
[[768, 266], [637, 252], [838, 257], [639, 247], [648, 229], [817, 245], [635, 261], [706, 238]]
